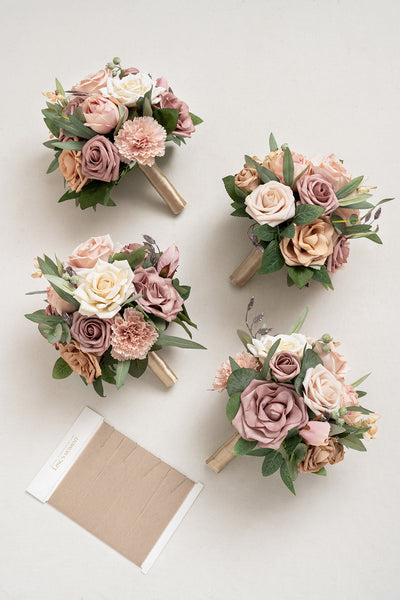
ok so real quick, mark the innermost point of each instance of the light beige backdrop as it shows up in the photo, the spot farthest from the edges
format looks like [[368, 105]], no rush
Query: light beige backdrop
[[322, 76]]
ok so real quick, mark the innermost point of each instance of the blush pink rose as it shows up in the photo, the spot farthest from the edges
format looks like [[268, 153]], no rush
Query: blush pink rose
[[271, 203], [349, 397], [101, 114], [315, 433], [168, 262], [333, 360], [86, 255], [274, 162], [93, 83], [57, 303], [159, 297], [322, 390], [314, 189], [268, 411], [332, 170]]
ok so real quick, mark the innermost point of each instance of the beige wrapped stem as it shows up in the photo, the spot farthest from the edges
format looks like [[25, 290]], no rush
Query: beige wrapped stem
[[164, 187], [161, 369], [247, 269], [223, 455]]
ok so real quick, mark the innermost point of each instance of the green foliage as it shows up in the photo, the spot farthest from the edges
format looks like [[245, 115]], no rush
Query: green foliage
[[288, 167], [288, 232], [273, 461], [233, 406], [265, 232], [244, 337], [272, 259], [169, 340], [122, 372], [243, 446], [286, 476], [167, 117], [352, 441], [349, 188], [138, 367], [96, 192], [271, 352], [322, 276], [300, 321], [61, 369], [232, 189], [273, 146], [264, 174], [300, 275], [195, 119], [98, 386], [310, 360], [307, 213], [239, 380], [183, 290]]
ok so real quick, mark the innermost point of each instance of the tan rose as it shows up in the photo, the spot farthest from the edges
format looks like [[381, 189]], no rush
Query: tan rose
[[311, 245], [319, 456], [322, 391], [70, 167], [271, 203], [81, 363], [247, 179]]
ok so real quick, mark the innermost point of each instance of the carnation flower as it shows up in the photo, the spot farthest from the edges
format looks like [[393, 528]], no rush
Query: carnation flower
[[245, 360], [132, 336], [141, 139]]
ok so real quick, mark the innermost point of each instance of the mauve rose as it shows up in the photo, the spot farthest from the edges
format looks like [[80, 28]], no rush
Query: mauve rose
[[315, 433], [340, 254], [72, 105], [162, 82], [285, 366], [92, 333], [268, 411], [184, 126], [159, 297], [131, 71], [93, 82], [86, 255], [168, 262], [314, 189], [100, 159], [101, 114]]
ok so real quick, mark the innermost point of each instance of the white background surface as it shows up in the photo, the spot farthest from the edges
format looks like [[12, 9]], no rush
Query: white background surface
[[322, 76]]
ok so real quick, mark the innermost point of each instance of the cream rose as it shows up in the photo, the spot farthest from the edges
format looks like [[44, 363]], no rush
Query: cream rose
[[271, 203], [332, 170], [289, 343], [104, 289], [322, 391], [88, 253], [130, 88]]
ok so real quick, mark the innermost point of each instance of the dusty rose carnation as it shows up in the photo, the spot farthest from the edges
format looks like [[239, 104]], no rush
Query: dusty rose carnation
[[132, 336], [141, 139], [339, 256], [245, 360]]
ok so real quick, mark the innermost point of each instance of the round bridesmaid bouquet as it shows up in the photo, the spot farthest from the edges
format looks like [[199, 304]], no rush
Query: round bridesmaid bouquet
[[108, 307], [303, 212], [290, 403], [109, 122]]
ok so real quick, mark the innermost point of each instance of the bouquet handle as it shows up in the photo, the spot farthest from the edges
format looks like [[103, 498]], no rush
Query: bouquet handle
[[247, 269], [164, 187], [160, 368], [223, 456]]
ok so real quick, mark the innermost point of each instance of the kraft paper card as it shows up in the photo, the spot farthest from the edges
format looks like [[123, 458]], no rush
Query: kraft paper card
[[114, 488]]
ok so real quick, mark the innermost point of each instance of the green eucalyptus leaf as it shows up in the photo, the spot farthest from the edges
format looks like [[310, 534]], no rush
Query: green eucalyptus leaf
[[169, 340], [349, 188], [353, 442], [244, 337], [273, 146], [322, 276], [273, 461], [243, 446], [195, 119], [271, 352], [98, 387], [264, 174], [322, 472], [286, 476], [233, 406], [361, 380], [288, 167], [310, 360], [307, 213], [239, 380], [300, 321], [167, 117]]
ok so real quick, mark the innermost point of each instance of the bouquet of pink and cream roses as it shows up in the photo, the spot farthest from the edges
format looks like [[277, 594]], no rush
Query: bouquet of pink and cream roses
[[304, 213], [108, 308], [290, 403], [109, 122]]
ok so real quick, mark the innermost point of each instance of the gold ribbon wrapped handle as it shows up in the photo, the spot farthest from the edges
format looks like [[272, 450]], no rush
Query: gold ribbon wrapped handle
[[161, 370], [164, 187], [223, 456], [247, 269]]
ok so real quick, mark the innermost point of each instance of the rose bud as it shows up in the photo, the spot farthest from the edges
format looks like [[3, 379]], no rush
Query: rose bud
[[315, 433], [168, 262]]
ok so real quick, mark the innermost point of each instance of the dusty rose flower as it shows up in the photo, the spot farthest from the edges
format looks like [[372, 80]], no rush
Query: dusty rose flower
[[163, 83], [333, 360], [93, 82], [332, 170], [131, 71], [168, 262], [86, 255], [318, 456], [322, 391], [274, 162], [132, 336], [72, 105], [141, 139], [285, 366], [184, 126], [245, 360], [314, 189], [57, 303], [159, 297], [247, 179], [268, 411], [70, 167], [92, 334], [271, 203], [101, 114], [311, 245], [339, 256], [100, 159], [82, 363], [316, 433], [128, 248]]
